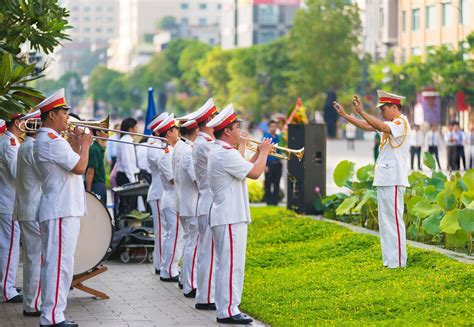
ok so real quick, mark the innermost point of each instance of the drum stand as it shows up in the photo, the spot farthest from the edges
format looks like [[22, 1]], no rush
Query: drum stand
[[78, 280]]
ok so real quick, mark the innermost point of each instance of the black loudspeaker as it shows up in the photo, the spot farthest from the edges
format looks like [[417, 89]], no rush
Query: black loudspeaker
[[310, 173]]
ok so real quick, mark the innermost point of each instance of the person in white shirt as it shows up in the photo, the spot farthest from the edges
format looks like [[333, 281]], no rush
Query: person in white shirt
[[111, 148], [61, 165], [172, 229], [470, 142], [142, 160], [416, 141], [188, 195], [9, 229], [350, 136], [205, 294], [433, 140], [230, 210], [127, 168], [450, 138], [391, 172], [28, 195], [156, 190], [461, 140]]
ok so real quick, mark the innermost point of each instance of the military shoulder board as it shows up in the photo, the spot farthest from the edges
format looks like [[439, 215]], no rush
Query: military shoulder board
[[208, 139], [227, 147], [52, 136], [167, 150], [12, 142]]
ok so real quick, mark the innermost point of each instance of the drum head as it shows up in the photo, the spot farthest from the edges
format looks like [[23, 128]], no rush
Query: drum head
[[95, 236]]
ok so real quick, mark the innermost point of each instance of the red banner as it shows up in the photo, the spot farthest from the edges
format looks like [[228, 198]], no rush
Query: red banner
[[277, 2]]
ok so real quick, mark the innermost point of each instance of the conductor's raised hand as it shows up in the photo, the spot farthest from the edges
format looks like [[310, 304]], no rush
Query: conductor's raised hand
[[357, 104], [266, 146], [339, 108]]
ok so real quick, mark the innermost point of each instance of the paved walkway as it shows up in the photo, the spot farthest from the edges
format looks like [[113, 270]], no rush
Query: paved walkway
[[137, 298]]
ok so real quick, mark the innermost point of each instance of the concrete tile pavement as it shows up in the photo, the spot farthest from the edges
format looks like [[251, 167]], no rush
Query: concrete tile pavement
[[137, 298]]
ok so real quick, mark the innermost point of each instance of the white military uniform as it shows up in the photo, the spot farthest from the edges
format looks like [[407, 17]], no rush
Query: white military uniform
[[61, 205], [154, 195], [175, 162], [206, 258], [9, 229], [391, 179], [127, 158], [229, 218], [188, 215], [28, 196]]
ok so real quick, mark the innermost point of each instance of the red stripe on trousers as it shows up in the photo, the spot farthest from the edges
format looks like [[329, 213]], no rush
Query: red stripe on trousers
[[210, 273], [230, 270], [39, 289], [8, 262], [398, 229], [174, 247], [159, 226], [194, 260], [59, 269]]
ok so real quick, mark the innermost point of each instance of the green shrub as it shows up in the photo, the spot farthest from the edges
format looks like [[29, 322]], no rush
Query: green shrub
[[256, 191]]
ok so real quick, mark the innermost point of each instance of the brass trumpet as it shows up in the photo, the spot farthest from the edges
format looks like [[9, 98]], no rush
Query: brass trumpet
[[286, 154]]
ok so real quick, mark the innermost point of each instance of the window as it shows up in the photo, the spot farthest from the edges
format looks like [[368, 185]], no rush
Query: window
[[184, 5], [404, 21], [148, 38], [202, 6], [268, 14], [464, 12], [404, 56], [219, 6], [75, 8], [98, 9], [430, 17], [98, 29], [87, 8], [110, 30], [415, 51], [87, 19], [202, 21], [415, 19], [266, 36], [446, 14], [87, 29], [184, 21]]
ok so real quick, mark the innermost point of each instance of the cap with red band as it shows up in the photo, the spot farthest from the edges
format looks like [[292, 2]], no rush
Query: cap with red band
[[190, 124], [157, 120], [54, 101], [203, 113], [388, 98], [226, 117], [165, 125]]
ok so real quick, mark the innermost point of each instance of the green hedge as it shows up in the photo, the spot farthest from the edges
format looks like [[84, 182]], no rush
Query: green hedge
[[302, 272]]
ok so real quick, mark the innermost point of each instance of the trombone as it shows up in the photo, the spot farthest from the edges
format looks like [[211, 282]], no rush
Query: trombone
[[286, 154], [33, 124]]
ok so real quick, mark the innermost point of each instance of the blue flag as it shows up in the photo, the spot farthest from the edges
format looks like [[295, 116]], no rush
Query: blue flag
[[150, 111]]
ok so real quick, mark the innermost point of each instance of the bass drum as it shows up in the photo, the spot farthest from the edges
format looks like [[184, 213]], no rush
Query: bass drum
[[95, 238]]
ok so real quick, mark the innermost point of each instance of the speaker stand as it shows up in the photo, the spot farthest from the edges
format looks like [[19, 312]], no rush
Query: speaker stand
[[77, 282]]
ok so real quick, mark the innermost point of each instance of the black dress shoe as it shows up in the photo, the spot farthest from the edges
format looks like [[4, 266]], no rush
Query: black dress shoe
[[32, 314], [205, 306], [174, 279], [191, 294], [16, 299], [65, 323], [180, 286], [238, 319], [157, 272]]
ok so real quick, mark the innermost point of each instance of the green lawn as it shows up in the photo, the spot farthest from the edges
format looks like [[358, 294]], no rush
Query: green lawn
[[302, 272]]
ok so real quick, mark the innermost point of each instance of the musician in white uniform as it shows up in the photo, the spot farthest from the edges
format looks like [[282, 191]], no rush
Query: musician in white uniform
[[391, 171], [62, 203], [230, 210], [28, 195], [205, 295], [9, 229], [156, 190], [171, 227], [188, 195]]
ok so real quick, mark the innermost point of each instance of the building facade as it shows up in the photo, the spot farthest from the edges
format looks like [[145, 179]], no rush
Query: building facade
[[248, 22], [424, 24]]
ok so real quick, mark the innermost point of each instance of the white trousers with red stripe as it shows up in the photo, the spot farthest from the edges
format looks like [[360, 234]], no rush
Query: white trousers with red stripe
[[391, 225], [230, 244], [190, 239], [172, 243], [31, 240], [58, 240], [205, 263], [9, 256], [157, 230]]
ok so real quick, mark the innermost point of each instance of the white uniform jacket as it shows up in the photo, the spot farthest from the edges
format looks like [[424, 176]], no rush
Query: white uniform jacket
[[127, 158], [9, 145], [166, 175], [391, 168], [63, 192], [156, 188], [227, 171], [28, 184], [175, 163], [187, 182], [202, 146]]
